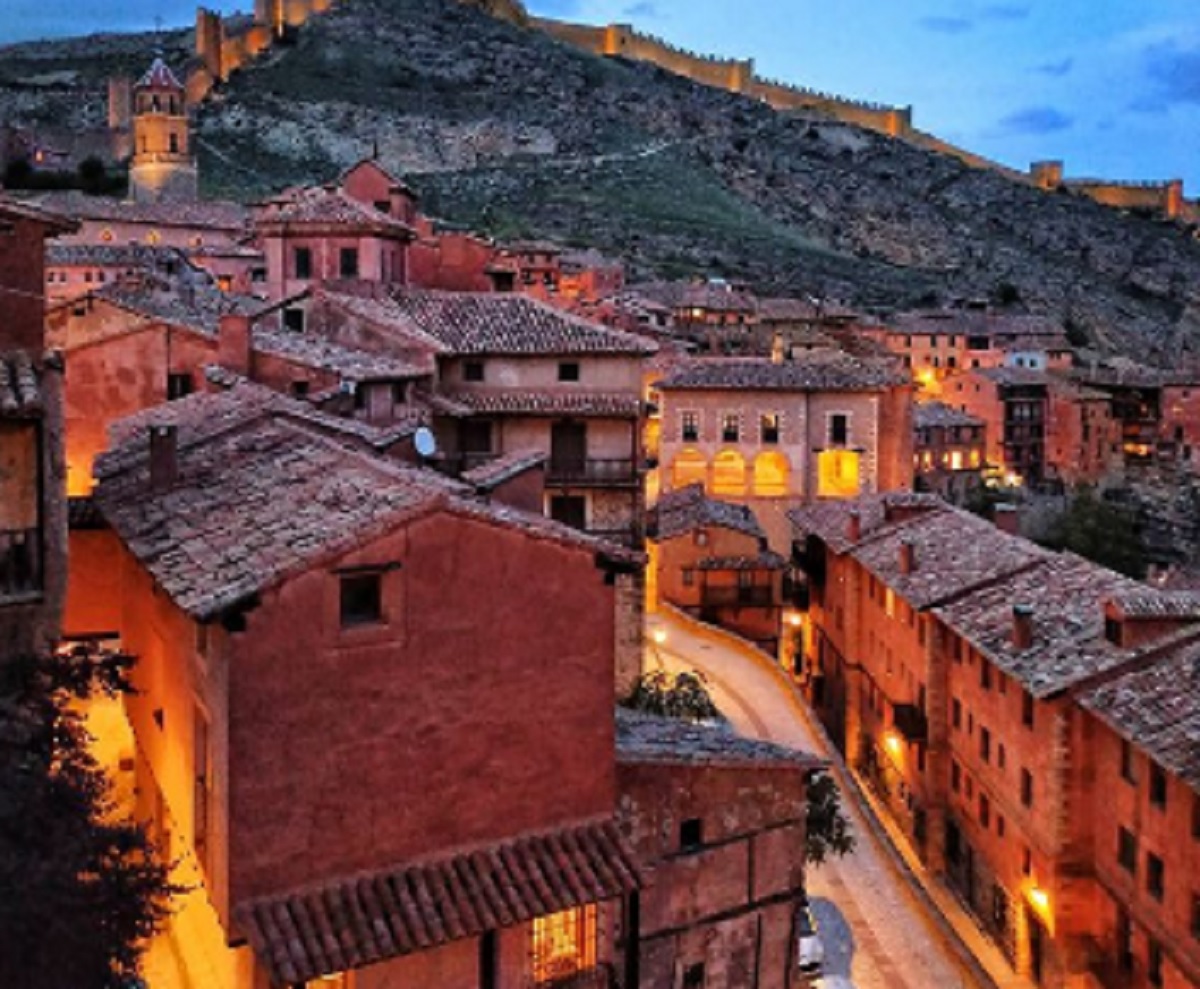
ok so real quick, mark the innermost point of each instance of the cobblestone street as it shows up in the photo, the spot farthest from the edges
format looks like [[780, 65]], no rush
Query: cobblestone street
[[877, 934]]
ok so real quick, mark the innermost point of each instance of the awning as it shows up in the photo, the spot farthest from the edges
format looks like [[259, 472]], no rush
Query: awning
[[369, 918]]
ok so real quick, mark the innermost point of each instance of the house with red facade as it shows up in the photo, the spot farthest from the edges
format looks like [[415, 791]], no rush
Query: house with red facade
[[949, 450], [710, 559], [988, 692], [33, 511]]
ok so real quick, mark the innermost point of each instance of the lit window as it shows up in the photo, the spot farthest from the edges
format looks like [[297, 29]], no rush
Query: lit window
[[689, 467], [838, 474], [564, 945], [769, 428], [771, 472], [729, 473]]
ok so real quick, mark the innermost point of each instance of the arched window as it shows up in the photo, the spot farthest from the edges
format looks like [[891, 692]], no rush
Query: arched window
[[729, 473], [838, 474], [772, 473], [689, 467]]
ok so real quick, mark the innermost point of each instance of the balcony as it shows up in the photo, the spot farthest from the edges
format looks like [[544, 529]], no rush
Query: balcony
[[20, 563], [592, 472], [600, 977], [738, 597]]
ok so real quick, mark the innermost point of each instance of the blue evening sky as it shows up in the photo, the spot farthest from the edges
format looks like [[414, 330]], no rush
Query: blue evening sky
[[1111, 86]]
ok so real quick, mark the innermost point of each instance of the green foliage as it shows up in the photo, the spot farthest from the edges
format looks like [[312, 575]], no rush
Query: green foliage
[[83, 889], [982, 501], [1077, 334], [828, 831], [684, 696], [91, 177], [1102, 532]]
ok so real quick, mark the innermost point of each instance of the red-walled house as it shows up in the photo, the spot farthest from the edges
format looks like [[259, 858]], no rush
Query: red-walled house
[[337, 656], [33, 518]]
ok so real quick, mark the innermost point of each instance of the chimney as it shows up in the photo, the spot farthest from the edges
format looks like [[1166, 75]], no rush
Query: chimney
[[854, 527], [164, 457], [1007, 519], [1022, 633], [233, 343], [908, 557]]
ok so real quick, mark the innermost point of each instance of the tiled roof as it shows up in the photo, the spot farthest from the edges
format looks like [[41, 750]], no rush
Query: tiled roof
[[370, 918], [264, 488], [814, 370], [479, 323], [495, 472], [952, 552], [324, 354], [648, 738], [687, 509], [1066, 595], [966, 323], [1149, 603], [616, 405], [1156, 708], [54, 220], [159, 76], [20, 388], [829, 520], [105, 255], [766, 560], [319, 206], [196, 306], [227, 217], [935, 415], [1015, 376], [711, 296]]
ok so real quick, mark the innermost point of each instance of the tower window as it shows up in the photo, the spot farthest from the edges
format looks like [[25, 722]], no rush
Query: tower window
[[348, 262], [302, 262]]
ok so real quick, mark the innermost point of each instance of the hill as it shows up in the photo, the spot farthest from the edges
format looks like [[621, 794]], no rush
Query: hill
[[504, 129]]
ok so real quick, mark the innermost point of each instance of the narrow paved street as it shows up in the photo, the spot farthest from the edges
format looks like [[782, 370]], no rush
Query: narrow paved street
[[877, 934]]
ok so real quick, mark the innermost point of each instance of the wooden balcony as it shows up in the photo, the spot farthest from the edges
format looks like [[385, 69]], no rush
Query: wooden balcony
[[738, 597], [20, 564], [592, 473]]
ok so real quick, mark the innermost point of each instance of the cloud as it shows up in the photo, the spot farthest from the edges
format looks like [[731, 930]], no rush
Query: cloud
[[1060, 68], [1036, 120], [1174, 71], [643, 9], [946, 25]]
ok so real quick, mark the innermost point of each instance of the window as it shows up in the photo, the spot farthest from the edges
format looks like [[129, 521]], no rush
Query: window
[[1026, 788], [1027, 861], [293, 320], [1158, 786], [568, 371], [299, 389], [772, 474], [202, 788], [1001, 825], [985, 745], [179, 386], [693, 976], [563, 945], [769, 428], [730, 427], [348, 262], [1196, 816], [839, 429], [340, 980], [985, 811], [955, 777], [1001, 756], [838, 474], [689, 576], [1155, 877], [361, 599], [1027, 709], [1127, 851], [729, 473], [173, 143], [985, 674], [1124, 941], [1196, 916], [689, 467], [473, 371], [691, 834], [956, 713], [1128, 763], [689, 427], [1154, 962], [302, 262]]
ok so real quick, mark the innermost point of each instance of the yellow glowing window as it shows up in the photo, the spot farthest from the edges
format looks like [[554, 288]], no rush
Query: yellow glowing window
[[975, 458], [564, 944], [729, 473], [838, 474], [339, 981], [689, 467], [956, 460], [771, 473]]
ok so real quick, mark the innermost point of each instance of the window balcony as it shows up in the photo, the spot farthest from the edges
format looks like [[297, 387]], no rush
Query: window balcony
[[20, 564], [591, 472]]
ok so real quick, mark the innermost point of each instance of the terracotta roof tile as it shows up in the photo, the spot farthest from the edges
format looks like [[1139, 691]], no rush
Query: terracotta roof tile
[[814, 370], [1156, 708], [687, 509], [227, 217], [20, 385], [1151, 603], [325, 354], [471, 323], [369, 918], [967, 323], [938, 415], [829, 520], [648, 738], [195, 306], [319, 206], [503, 468], [766, 560]]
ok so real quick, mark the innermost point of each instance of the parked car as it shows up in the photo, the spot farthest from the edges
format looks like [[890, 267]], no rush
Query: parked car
[[810, 952]]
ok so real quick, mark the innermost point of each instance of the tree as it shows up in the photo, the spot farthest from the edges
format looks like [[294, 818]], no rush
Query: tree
[[93, 177], [828, 829], [1100, 531], [83, 889]]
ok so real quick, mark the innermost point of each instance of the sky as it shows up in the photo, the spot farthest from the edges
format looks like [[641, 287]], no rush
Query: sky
[[1111, 87]]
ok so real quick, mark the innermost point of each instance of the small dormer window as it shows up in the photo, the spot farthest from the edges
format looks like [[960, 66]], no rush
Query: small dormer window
[[361, 599], [1112, 631], [473, 371], [568, 371]]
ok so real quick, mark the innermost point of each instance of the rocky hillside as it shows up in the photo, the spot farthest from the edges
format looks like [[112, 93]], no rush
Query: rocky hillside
[[504, 129]]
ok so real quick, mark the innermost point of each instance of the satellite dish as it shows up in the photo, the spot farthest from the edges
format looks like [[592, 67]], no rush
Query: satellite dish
[[424, 442]]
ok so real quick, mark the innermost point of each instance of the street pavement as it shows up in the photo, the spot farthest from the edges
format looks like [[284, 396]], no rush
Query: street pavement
[[877, 933]]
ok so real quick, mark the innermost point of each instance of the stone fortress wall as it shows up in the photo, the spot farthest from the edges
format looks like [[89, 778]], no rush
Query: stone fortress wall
[[220, 52]]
